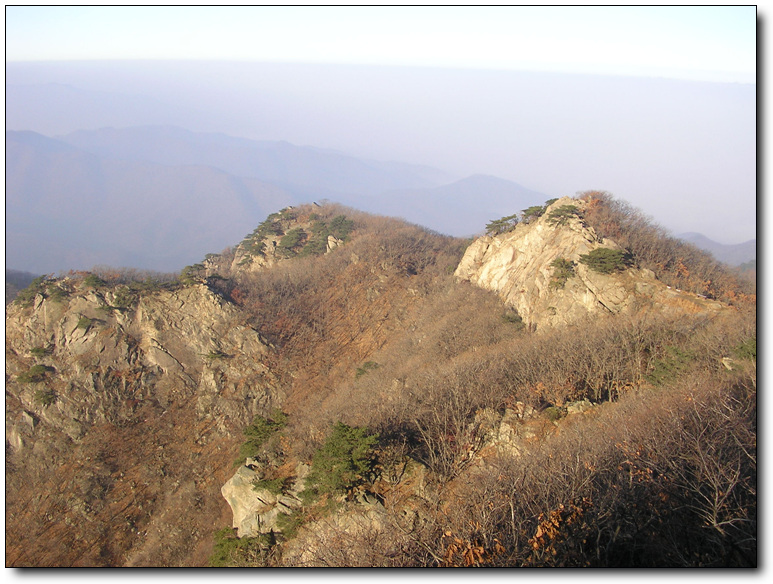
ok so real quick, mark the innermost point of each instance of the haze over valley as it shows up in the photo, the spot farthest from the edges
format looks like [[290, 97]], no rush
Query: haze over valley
[[369, 136]]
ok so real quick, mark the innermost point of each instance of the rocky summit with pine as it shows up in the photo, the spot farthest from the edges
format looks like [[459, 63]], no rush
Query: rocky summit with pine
[[575, 388]]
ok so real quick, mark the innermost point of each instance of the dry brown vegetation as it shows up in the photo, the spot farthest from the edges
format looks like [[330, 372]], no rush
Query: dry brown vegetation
[[675, 262], [660, 472], [663, 473]]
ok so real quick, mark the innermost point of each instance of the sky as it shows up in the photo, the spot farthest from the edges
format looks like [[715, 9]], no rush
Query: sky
[[470, 89], [709, 43]]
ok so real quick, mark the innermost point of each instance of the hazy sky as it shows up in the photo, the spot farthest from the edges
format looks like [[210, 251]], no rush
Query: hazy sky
[[702, 43], [558, 99]]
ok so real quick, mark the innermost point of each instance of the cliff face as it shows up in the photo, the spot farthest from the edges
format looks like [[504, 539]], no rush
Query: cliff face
[[103, 403], [517, 266]]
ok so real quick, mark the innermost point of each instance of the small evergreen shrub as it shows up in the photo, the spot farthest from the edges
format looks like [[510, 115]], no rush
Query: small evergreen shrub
[[44, 397], [562, 214], [27, 296], [231, 551], [554, 413], [259, 432], [512, 317], [84, 322], [670, 366], [503, 225], [93, 281], [532, 213], [40, 351], [36, 374], [291, 242], [605, 260], [747, 349], [344, 462], [341, 227], [367, 366], [56, 293], [273, 486], [563, 269]]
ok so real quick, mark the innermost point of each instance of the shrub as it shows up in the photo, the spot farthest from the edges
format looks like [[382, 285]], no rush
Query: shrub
[[511, 316], [40, 351], [747, 349], [562, 214], [503, 225], [563, 269], [36, 374], [669, 367], [26, 296], [532, 213], [93, 281], [344, 462], [232, 551], [291, 241], [84, 322], [274, 486], [554, 413], [191, 274], [605, 260], [259, 431], [341, 227], [56, 293], [44, 397], [367, 366]]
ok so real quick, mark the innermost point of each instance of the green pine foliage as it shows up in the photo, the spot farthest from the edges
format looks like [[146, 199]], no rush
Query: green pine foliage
[[341, 227], [259, 432], [605, 260], [503, 225], [563, 214], [36, 374], [27, 296], [563, 269], [232, 551], [530, 214], [747, 349], [344, 462], [367, 366], [668, 368]]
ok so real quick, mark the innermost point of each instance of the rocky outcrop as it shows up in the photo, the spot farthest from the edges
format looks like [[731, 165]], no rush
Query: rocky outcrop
[[517, 266], [103, 362], [256, 510], [123, 410]]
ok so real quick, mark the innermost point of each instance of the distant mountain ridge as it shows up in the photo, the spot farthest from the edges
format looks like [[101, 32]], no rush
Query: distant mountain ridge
[[160, 197], [303, 170], [461, 208], [733, 255], [70, 209]]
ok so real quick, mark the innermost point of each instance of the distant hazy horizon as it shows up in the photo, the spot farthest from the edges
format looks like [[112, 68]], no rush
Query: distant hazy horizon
[[682, 151]]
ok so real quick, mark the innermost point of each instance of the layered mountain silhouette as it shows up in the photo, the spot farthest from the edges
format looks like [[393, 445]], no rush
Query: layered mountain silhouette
[[734, 255], [160, 197]]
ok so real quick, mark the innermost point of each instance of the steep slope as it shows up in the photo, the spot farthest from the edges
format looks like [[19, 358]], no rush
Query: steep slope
[[393, 415], [120, 408], [520, 265]]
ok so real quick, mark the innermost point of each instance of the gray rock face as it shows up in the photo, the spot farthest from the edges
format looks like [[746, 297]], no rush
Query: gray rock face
[[516, 265], [256, 511], [103, 362]]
